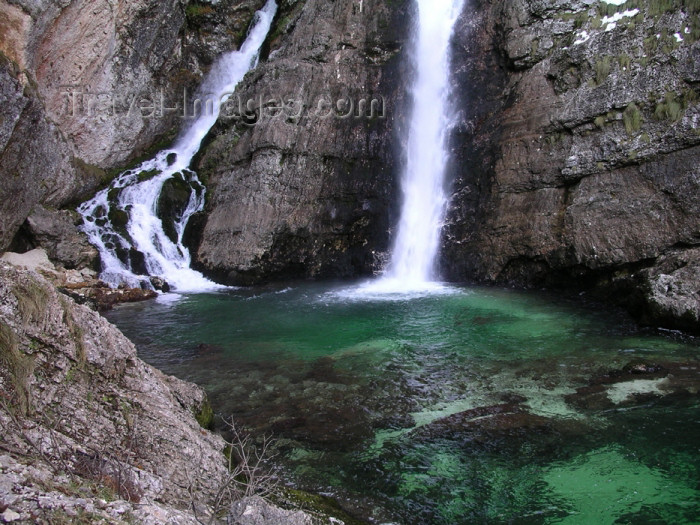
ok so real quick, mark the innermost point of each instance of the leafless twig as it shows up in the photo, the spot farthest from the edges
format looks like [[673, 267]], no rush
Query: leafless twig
[[248, 474]]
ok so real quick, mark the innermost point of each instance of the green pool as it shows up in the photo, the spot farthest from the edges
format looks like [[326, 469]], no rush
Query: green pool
[[459, 405]]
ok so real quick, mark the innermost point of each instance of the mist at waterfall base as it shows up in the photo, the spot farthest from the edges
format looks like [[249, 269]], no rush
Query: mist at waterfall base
[[123, 221], [482, 405]]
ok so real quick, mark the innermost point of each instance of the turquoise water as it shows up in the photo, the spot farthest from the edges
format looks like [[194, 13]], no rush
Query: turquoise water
[[471, 405]]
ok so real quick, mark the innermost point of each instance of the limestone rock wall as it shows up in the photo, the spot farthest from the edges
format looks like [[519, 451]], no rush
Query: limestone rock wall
[[302, 178], [578, 163], [75, 394], [36, 162], [102, 68]]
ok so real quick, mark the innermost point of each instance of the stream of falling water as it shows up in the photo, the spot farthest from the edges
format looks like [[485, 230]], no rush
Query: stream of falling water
[[411, 269], [123, 220], [412, 265]]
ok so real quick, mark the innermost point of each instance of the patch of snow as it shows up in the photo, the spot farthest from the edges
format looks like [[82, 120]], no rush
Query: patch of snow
[[614, 2], [582, 37], [611, 21], [678, 36]]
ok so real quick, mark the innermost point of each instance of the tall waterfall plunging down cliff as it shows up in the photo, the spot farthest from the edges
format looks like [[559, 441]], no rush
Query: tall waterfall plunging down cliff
[[412, 264], [123, 221]]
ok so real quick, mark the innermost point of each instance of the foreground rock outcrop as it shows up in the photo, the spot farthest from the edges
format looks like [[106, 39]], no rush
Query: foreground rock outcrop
[[77, 403], [92, 434], [577, 158], [83, 285]]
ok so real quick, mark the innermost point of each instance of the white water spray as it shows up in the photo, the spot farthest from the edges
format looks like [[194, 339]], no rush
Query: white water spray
[[127, 248], [412, 264]]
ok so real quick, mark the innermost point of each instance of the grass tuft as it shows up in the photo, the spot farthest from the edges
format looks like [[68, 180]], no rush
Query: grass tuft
[[19, 368], [632, 117]]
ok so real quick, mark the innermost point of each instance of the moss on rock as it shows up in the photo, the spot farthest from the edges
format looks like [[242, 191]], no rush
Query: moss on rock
[[205, 416], [18, 367]]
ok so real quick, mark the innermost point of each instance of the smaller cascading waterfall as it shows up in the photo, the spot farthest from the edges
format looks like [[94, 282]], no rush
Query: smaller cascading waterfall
[[412, 263], [123, 220]]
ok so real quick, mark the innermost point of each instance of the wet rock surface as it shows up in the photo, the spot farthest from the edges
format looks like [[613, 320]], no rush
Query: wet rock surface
[[672, 290], [101, 297], [83, 285]]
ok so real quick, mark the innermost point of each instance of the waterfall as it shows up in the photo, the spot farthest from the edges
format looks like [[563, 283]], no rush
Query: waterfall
[[412, 264], [123, 221]]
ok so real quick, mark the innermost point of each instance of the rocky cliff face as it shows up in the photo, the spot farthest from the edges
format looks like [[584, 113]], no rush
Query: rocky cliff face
[[36, 162], [88, 85], [76, 400], [575, 159], [111, 76], [577, 156], [302, 175]]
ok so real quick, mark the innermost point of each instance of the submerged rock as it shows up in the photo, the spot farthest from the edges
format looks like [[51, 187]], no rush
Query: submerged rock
[[638, 383], [642, 367], [483, 424]]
